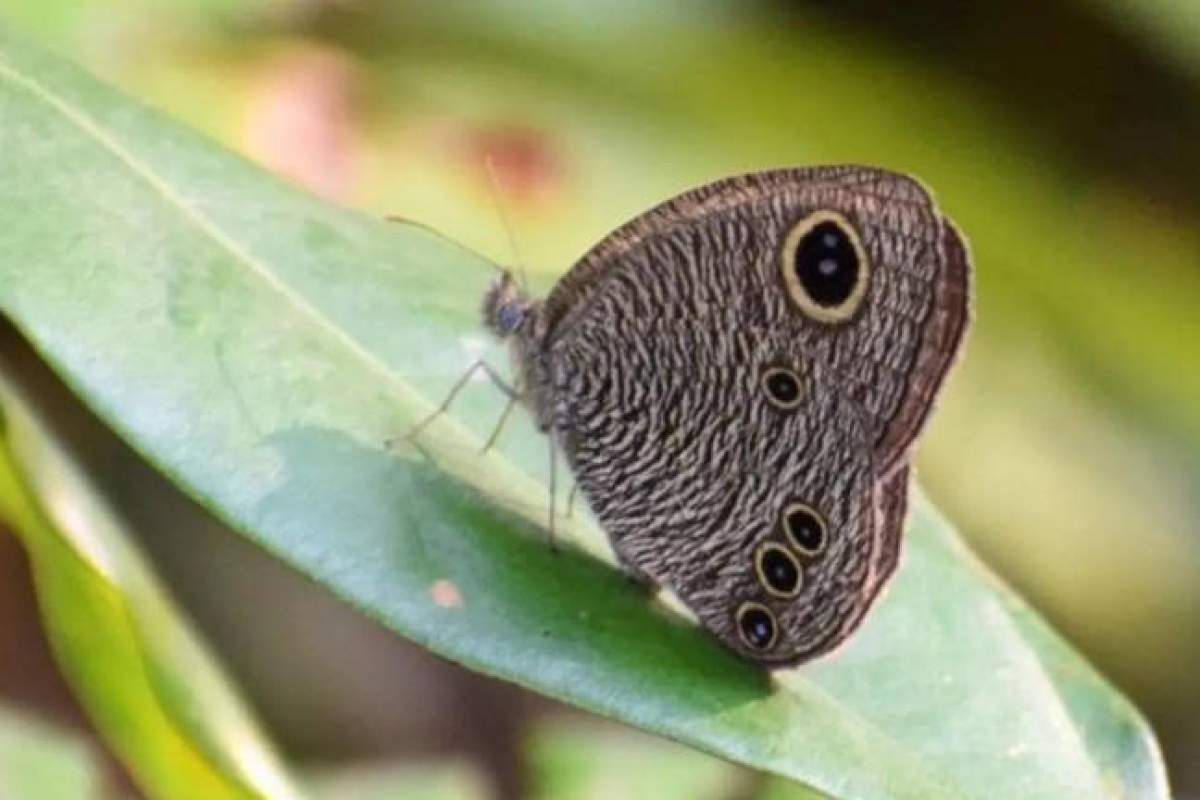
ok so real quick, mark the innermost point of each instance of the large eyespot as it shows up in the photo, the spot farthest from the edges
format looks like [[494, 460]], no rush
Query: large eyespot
[[756, 626], [782, 387], [778, 570], [805, 529], [825, 268]]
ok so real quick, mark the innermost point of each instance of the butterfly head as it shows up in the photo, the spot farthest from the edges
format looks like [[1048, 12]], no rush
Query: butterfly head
[[506, 309]]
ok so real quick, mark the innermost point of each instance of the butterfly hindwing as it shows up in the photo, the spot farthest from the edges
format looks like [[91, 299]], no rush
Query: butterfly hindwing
[[692, 460]]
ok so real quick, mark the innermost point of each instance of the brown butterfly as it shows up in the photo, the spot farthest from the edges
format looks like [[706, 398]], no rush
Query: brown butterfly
[[737, 378]]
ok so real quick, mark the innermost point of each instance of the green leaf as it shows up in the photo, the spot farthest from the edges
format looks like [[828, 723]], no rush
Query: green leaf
[[260, 347], [142, 675]]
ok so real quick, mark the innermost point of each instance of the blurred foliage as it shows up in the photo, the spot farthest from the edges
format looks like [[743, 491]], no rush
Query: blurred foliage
[[39, 761], [1078, 407], [143, 677], [568, 760], [397, 781], [1168, 28], [574, 762]]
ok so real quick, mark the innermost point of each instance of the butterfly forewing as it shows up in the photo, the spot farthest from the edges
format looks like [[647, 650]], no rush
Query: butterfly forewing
[[892, 354]]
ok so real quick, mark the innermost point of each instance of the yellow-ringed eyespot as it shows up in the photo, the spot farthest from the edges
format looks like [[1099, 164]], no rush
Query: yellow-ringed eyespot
[[805, 528], [756, 626], [778, 570], [825, 268], [782, 387]]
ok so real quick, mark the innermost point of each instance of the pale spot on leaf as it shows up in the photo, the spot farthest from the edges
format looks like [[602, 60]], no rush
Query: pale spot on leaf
[[445, 594]]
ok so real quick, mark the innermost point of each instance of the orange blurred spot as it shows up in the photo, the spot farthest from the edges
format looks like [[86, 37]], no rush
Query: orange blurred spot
[[445, 594], [525, 163], [302, 123]]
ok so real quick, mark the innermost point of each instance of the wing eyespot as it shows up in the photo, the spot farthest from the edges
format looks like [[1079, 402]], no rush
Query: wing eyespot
[[778, 570], [782, 387], [756, 626], [825, 267], [804, 528]]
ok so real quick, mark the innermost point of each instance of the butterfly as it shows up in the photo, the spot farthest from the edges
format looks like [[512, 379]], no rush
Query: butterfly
[[737, 379]]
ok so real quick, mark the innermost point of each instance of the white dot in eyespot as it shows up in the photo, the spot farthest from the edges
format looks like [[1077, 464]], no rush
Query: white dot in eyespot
[[827, 266]]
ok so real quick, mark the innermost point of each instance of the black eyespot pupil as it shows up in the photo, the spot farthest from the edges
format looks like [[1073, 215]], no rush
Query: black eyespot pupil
[[805, 529], [757, 627], [827, 264], [783, 387], [780, 571]]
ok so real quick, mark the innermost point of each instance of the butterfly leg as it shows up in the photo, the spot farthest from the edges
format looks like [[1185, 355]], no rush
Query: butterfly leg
[[458, 386], [571, 498], [514, 396], [496, 431], [553, 494]]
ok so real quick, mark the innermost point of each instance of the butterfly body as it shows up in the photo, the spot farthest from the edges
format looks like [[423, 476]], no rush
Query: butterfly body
[[737, 378]]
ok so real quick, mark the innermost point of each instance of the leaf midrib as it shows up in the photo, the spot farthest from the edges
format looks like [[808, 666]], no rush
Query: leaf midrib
[[91, 128]]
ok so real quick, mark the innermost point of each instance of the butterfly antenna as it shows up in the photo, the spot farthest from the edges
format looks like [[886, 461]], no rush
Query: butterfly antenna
[[432, 231], [498, 200]]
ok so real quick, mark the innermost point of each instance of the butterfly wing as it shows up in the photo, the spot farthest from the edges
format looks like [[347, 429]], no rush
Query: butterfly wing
[[693, 473], [891, 511], [722, 247], [650, 363]]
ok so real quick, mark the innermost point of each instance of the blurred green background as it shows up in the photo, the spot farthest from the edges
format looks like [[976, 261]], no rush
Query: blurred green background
[[1063, 137]]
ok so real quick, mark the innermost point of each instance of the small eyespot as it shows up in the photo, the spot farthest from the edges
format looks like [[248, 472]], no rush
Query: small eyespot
[[825, 268], [756, 626], [805, 529], [782, 387], [778, 570]]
